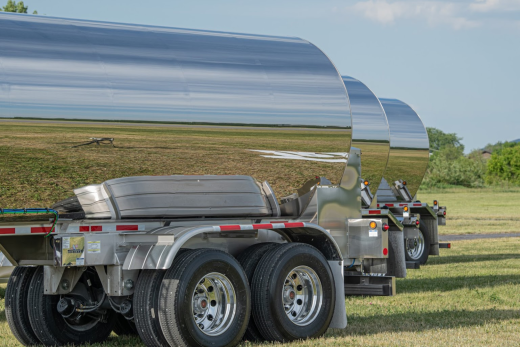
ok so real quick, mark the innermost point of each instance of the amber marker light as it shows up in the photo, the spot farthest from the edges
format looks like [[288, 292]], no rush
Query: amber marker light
[[373, 225], [366, 183], [435, 202], [404, 183], [405, 209]]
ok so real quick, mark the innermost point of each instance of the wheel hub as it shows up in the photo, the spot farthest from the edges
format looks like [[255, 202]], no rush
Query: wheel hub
[[415, 247], [214, 304], [302, 295]]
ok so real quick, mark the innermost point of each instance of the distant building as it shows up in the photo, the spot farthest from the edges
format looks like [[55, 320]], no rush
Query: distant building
[[486, 154]]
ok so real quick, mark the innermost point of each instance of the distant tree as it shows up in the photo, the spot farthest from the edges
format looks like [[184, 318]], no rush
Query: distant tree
[[439, 139], [16, 7], [449, 166], [504, 165]]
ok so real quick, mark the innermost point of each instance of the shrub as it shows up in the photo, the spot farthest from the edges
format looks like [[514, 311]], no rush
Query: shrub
[[504, 166]]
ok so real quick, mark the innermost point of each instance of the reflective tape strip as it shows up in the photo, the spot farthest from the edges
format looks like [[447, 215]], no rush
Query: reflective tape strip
[[41, 230], [258, 226], [7, 231]]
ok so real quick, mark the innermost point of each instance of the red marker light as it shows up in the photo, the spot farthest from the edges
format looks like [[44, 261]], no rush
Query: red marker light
[[417, 222], [444, 213], [385, 251], [404, 183], [386, 227]]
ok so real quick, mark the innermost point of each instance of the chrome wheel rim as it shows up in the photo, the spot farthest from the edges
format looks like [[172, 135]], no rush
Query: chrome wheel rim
[[302, 295], [213, 304], [415, 247]]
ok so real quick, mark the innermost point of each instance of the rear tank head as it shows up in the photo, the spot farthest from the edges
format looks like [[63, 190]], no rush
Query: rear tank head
[[370, 132], [409, 150]]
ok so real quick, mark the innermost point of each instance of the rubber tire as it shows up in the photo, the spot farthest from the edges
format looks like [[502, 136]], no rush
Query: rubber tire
[[16, 312], [249, 259], [124, 327], [50, 327], [426, 253], [146, 308], [176, 293], [268, 282]]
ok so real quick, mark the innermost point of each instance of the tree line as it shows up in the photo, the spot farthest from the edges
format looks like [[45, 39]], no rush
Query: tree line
[[16, 7], [449, 166]]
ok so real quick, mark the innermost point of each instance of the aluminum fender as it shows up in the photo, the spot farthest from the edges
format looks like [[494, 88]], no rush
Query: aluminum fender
[[155, 256]]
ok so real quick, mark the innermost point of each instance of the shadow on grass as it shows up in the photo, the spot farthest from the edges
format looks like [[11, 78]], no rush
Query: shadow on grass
[[444, 284], [453, 259], [420, 321]]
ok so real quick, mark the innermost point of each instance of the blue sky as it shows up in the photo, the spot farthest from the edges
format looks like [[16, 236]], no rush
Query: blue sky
[[456, 62]]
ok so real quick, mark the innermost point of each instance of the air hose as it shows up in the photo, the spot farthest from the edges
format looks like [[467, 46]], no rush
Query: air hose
[[33, 211]]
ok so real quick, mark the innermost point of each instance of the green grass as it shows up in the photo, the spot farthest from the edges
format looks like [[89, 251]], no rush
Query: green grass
[[477, 211], [469, 296]]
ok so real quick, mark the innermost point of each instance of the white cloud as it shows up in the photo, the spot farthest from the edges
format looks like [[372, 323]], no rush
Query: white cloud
[[454, 13], [485, 6], [434, 12]]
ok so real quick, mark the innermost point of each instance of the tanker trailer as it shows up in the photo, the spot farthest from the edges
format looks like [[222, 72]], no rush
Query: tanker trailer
[[408, 161], [188, 259], [371, 135]]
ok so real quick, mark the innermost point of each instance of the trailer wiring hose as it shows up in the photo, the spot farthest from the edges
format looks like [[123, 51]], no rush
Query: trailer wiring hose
[[33, 211], [351, 265]]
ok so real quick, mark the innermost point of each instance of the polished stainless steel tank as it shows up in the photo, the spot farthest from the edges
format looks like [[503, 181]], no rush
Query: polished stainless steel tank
[[283, 92], [370, 131], [409, 149]]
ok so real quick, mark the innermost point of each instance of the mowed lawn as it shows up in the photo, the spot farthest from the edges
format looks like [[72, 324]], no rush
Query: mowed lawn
[[477, 211], [469, 296]]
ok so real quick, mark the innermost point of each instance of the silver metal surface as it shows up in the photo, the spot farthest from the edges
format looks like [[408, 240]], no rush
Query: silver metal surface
[[365, 242], [161, 256], [409, 147], [339, 318], [370, 131], [302, 295], [214, 304], [6, 268], [415, 246], [180, 196], [55, 277], [283, 90]]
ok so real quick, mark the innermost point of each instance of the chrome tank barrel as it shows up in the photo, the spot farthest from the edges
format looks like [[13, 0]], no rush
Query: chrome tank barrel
[[282, 91], [370, 131], [409, 146]]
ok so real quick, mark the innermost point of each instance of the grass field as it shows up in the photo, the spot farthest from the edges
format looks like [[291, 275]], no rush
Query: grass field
[[469, 296], [477, 211]]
